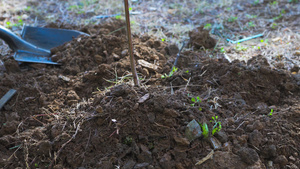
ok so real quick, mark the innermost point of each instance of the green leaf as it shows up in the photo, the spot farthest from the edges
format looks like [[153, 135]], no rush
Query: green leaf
[[130, 9], [193, 100], [118, 17], [204, 130]]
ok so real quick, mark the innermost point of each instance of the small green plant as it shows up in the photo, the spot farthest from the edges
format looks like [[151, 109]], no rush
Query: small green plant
[[251, 24], [256, 2], [196, 101], [217, 125], [36, 165], [274, 3], [271, 112], [205, 130], [239, 47], [174, 69], [232, 19], [27, 8], [118, 17], [251, 16], [163, 39], [207, 26], [187, 71], [128, 140], [222, 50], [274, 25]]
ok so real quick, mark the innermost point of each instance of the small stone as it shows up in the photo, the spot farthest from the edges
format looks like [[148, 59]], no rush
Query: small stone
[[222, 136], [141, 165], [255, 138], [116, 57], [99, 109], [129, 164], [215, 143], [165, 161], [248, 155], [181, 141], [124, 53], [269, 151], [179, 166], [281, 160], [72, 95], [257, 125], [292, 158], [193, 130], [98, 59]]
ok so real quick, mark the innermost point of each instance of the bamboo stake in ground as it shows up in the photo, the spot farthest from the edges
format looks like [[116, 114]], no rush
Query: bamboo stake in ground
[[130, 49]]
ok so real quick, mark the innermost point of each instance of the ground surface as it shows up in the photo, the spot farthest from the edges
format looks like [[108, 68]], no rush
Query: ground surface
[[87, 114]]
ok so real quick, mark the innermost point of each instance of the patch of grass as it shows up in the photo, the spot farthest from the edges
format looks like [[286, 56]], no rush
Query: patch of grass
[[207, 26], [205, 130], [239, 47], [251, 16], [217, 125], [274, 25], [174, 69], [256, 2], [232, 19], [251, 24], [128, 140], [27, 8]]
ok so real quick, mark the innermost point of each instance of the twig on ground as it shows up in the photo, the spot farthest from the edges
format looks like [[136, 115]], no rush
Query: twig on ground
[[205, 158], [62, 147]]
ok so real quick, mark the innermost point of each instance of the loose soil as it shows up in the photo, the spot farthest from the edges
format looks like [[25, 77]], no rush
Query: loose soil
[[87, 114]]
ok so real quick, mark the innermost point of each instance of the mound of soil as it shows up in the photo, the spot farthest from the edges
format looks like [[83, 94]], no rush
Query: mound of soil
[[85, 113]]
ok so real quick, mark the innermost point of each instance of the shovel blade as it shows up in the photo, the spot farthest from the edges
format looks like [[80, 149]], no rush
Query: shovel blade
[[48, 38], [25, 56]]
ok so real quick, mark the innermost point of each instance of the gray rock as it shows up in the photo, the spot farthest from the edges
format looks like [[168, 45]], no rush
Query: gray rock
[[248, 155], [193, 130], [129, 164], [281, 160], [141, 165], [255, 138], [221, 136]]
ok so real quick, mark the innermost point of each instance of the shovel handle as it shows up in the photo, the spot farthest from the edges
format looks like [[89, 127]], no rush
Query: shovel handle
[[16, 43]]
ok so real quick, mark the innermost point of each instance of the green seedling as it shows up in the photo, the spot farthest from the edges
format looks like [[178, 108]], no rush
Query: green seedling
[[27, 8], [256, 2], [274, 25], [274, 3], [207, 26], [174, 69], [239, 47], [251, 24], [232, 19], [205, 130], [195, 101], [222, 50], [271, 112], [187, 71], [128, 140], [118, 17], [251, 16], [217, 125]]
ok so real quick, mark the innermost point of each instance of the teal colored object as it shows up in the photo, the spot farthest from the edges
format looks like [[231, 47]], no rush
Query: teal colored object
[[193, 130], [245, 39]]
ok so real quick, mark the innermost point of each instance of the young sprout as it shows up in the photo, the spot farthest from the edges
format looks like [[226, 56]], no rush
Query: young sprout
[[271, 113], [217, 125], [204, 130]]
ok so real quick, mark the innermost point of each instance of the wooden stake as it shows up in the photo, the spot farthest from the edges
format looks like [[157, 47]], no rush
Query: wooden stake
[[130, 49]]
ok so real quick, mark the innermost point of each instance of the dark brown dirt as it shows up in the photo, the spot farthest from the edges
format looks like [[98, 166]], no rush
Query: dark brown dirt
[[85, 113]]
